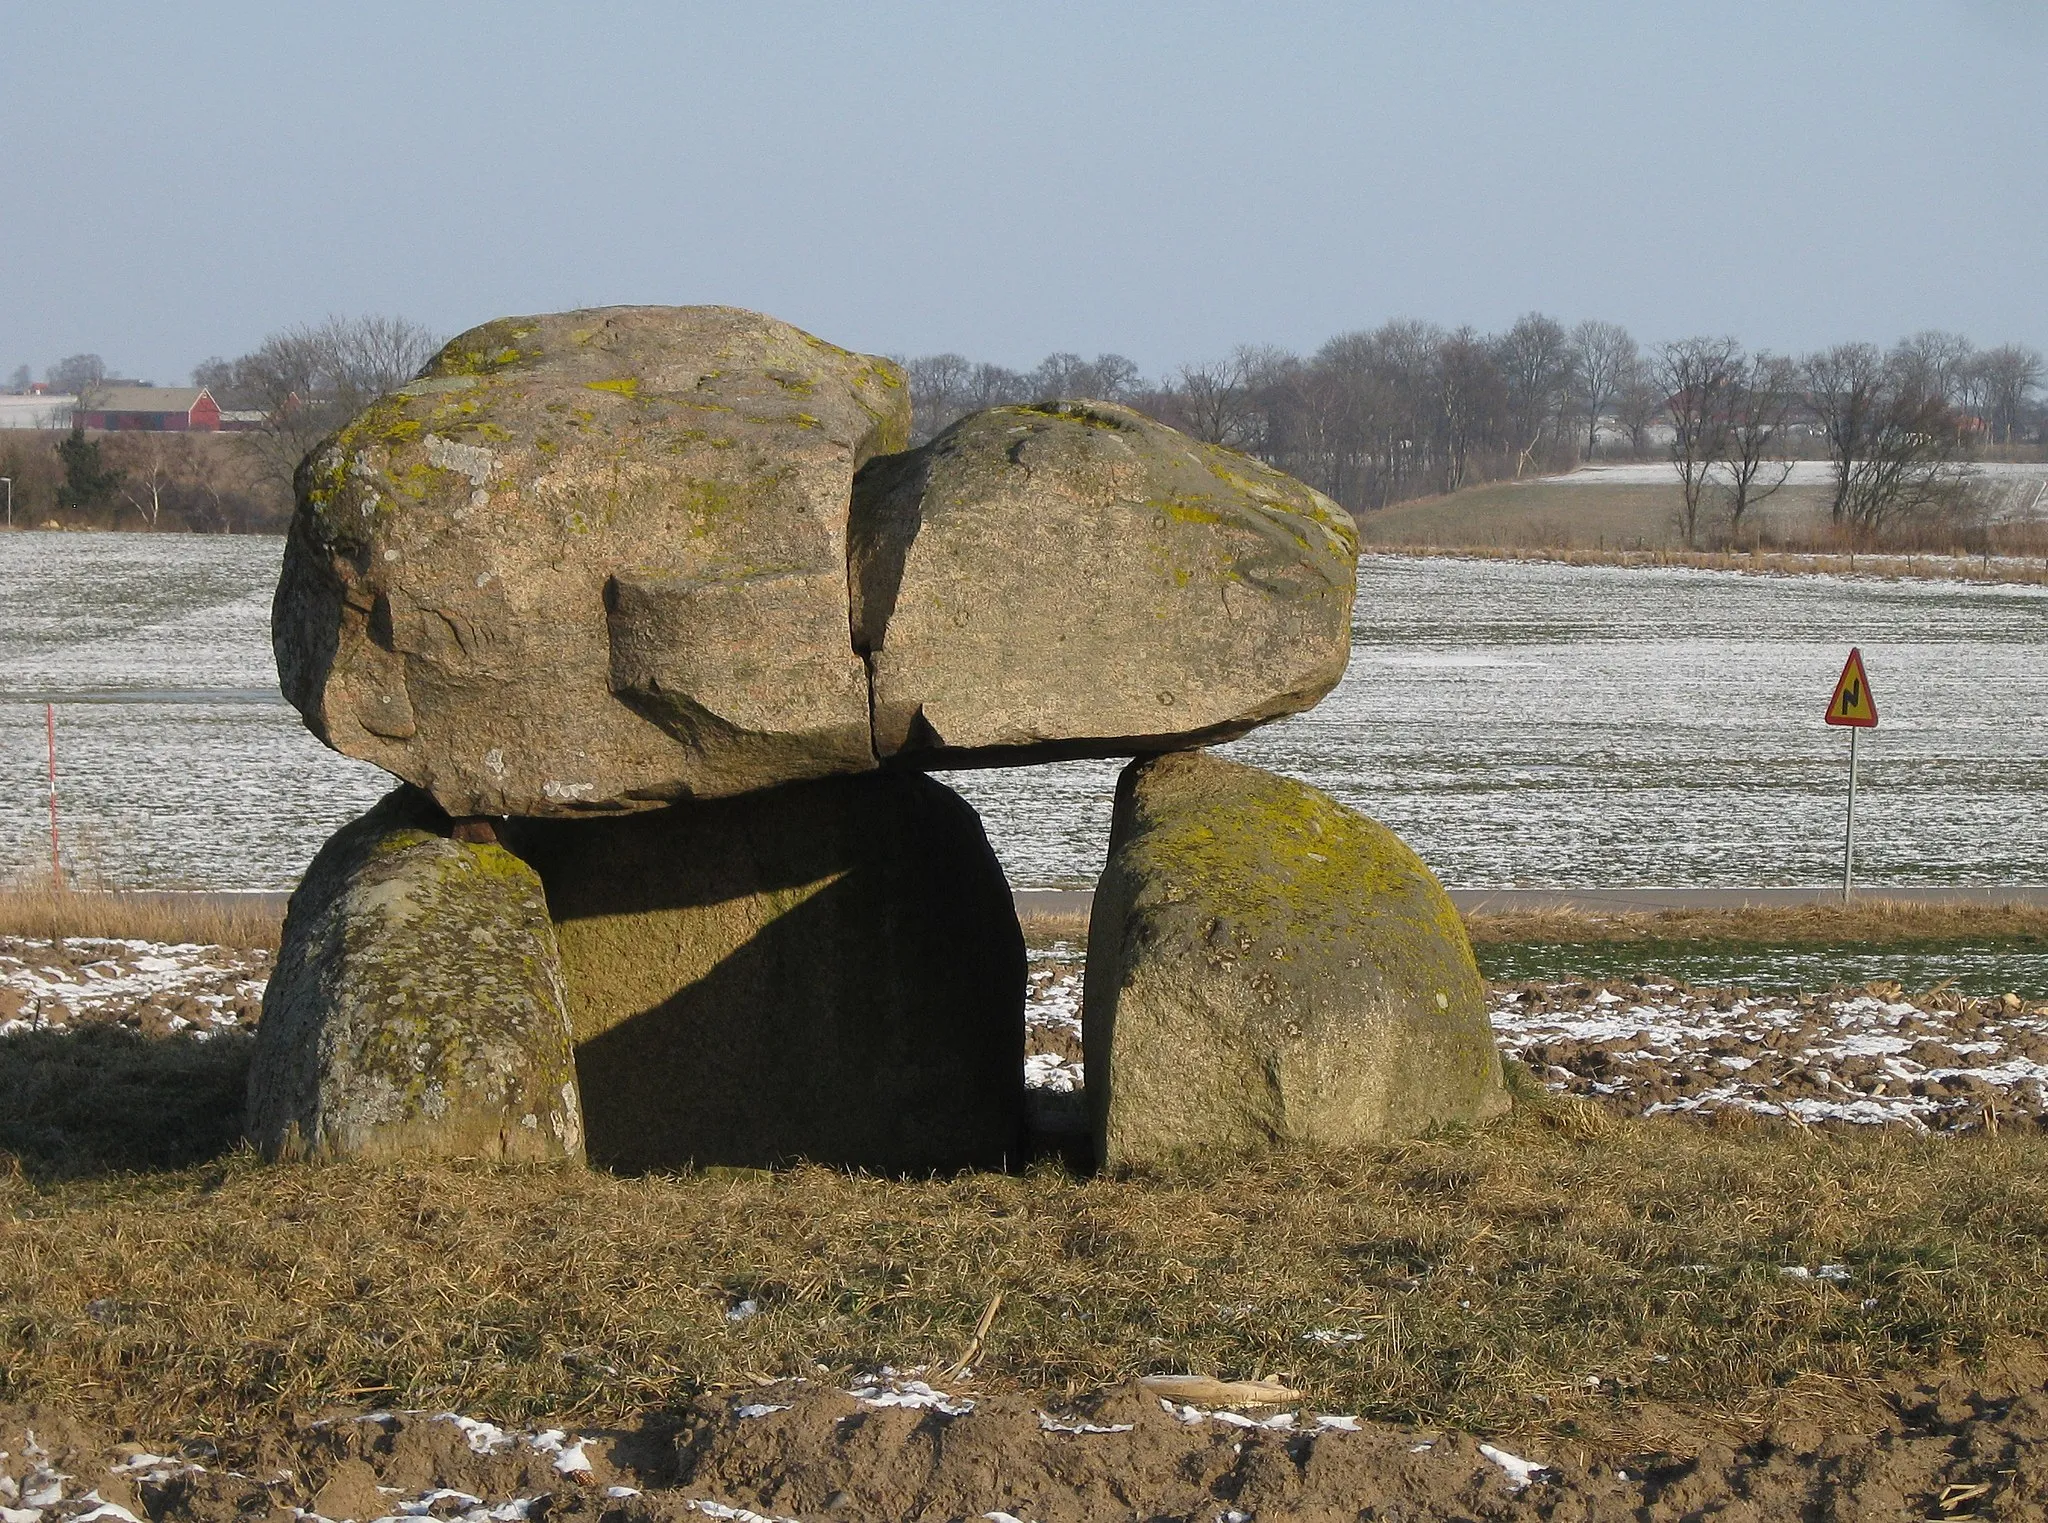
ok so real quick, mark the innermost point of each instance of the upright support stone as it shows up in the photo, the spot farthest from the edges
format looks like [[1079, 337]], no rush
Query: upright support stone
[[1266, 966], [829, 971], [417, 1006]]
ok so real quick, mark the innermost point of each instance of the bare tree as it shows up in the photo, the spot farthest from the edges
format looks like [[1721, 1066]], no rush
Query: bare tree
[[1603, 357], [1471, 399], [1762, 396], [1844, 389], [1935, 364], [309, 380], [20, 381], [938, 393], [1639, 405], [76, 373], [1535, 364], [1058, 377], [1893, 438], [1907, 470], [2009, 374], [150, 465], [996, 386], [1698, 375], [218, 377], [1213, 401], [1114, 378]]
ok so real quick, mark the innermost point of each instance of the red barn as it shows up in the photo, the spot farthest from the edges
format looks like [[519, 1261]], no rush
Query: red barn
[[153, 409]]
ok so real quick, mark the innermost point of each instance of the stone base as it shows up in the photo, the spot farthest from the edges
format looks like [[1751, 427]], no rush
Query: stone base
[[417, 1007], [829, 971]]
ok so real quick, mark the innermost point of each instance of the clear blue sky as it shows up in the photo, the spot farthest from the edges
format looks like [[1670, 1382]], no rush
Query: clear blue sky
[[1166, 180]]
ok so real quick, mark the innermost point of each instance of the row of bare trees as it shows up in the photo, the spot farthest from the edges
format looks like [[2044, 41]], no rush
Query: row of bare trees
[[1410, 409], [1372, 417], [1895, 428]]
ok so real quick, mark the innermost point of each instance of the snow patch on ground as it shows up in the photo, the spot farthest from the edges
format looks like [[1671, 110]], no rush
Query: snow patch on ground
[[161, 990], [1862, 1057]]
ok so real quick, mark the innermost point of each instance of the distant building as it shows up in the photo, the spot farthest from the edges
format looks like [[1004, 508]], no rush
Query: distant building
[[39, 409], [149, 409]]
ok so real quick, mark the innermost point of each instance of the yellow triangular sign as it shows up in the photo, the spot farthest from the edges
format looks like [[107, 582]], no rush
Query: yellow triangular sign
[[1852, 703]]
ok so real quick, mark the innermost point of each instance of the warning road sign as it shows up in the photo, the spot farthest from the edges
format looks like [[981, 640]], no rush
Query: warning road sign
[[1852, 704]]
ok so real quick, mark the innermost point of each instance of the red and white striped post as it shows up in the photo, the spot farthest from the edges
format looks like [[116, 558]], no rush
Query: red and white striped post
[[56, 861]]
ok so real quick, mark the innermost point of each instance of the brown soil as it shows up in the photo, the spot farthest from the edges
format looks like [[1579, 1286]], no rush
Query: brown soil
[[797, 1451], [1856, 1057]]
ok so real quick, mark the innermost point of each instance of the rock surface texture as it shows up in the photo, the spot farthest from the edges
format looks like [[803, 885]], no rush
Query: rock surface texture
[[1266, 966], [592, 561], [1074, 579], [829, 971], [417, 1007]]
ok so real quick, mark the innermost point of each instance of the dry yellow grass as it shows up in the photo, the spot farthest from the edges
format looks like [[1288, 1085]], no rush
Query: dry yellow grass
[[1041, 930], [207, 919], [1562, 1273]]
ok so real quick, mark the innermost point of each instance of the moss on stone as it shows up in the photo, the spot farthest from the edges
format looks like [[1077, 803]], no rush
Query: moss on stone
[[484, 350]]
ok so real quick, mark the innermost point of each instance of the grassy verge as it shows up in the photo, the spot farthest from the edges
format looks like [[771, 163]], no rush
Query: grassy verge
[[1966, 949], [206, 919], [1561, 1274]]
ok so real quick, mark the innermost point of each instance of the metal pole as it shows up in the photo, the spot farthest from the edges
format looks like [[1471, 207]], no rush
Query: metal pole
[[1848, 842], [56, 861], [10, 499]]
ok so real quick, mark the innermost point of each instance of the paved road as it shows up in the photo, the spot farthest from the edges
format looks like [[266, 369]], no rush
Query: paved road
[[1077, 901]]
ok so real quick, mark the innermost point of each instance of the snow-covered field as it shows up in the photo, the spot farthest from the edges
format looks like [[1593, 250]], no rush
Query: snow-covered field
[[178, 763], [1563, 726], [1518, 724]]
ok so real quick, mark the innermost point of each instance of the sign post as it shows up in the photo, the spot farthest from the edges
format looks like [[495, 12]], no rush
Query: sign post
[[1854, 707]]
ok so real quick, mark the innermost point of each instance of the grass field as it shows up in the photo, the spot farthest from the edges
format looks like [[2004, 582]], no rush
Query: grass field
[[1559, 1274]]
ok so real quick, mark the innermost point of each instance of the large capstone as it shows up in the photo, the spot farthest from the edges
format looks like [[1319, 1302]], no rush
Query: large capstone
[[830, 971], [592, 561], [1268, 967], [1074, 579], [417, 1007]]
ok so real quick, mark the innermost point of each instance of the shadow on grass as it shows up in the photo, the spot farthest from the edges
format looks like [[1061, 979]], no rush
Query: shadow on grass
[[104, 1100]]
